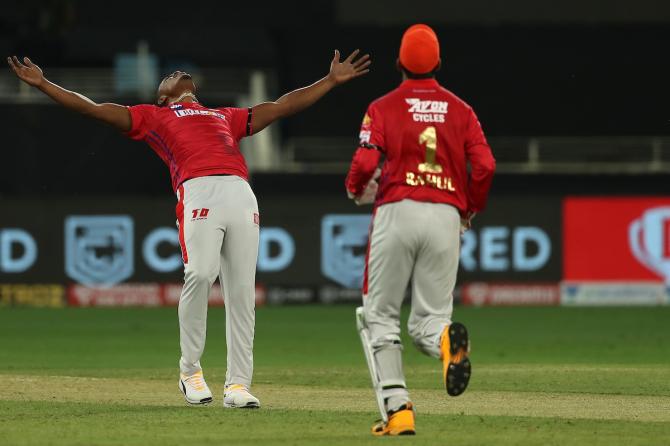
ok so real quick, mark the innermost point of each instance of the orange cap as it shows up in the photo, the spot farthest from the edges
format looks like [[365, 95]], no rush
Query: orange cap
[[419, 49]]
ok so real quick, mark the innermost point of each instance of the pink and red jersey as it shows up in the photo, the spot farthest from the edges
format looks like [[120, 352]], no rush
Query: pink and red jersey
[[428, 135], [194, 141]]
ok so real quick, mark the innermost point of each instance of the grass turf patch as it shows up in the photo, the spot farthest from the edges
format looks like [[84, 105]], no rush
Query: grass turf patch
[[541, 376], [57, 423]]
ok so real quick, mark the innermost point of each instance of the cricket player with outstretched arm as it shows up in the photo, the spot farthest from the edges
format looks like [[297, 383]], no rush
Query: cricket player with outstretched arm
[[217, 213], [423, 198]]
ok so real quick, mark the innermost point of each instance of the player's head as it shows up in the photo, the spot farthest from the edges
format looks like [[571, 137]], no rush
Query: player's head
[[175, 87], [419, 56]]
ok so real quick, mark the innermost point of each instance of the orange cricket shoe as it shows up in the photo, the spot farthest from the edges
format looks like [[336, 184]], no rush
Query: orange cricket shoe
[[456, 367], [401, 422]]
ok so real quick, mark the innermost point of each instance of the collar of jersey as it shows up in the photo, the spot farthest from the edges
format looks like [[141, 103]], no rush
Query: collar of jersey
[[423, 83], [188, 104]]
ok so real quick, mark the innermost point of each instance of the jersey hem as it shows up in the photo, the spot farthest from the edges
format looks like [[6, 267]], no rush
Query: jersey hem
[[209, 172]]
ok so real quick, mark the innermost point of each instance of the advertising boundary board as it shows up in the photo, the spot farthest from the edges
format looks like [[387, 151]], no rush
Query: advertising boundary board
[[614, 294], [510, 294], [314, 241], [141, 295], [566, 293]]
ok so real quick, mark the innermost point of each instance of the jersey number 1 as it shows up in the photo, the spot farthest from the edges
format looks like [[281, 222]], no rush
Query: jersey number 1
[[429, 137]]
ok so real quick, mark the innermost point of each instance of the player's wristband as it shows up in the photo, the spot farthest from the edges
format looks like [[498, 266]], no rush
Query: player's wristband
[[249, 129], [367, 145]]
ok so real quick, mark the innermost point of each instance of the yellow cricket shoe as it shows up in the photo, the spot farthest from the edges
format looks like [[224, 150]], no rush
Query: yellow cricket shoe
[[195, 388], [238, 396], [456, 367], [401, 422]]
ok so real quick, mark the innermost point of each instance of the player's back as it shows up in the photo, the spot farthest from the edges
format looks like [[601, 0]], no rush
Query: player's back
[[426, 130]]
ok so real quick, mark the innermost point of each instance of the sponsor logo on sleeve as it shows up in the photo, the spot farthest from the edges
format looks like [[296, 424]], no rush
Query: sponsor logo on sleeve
[[364, 136], [366, 133]]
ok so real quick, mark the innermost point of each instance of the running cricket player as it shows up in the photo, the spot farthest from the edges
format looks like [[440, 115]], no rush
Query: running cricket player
[[423, 198], [217, 213]]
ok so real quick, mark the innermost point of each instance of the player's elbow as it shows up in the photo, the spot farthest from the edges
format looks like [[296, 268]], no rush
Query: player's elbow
[[486, 166], [92, 110], [276, 111], [490, 166], [281, 109]]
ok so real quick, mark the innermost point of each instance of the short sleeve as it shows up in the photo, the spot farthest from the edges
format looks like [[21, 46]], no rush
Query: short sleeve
[[240, 122], [142, 118], [372, 129]]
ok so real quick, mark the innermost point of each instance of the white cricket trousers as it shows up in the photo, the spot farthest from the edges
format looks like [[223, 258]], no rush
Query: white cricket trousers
[[418, 242], [218, 233]]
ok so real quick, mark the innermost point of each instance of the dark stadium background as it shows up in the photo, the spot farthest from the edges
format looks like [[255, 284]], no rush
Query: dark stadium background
[[573, 97], [564, 280]]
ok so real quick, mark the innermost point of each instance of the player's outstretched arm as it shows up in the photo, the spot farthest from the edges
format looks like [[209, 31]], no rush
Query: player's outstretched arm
[[352, 67], [116, 115]]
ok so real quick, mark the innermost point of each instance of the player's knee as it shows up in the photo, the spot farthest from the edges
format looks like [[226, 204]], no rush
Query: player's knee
[[415, 332], [420, 340], [199, 276], [427, 344], [422, 344], [386, 342]]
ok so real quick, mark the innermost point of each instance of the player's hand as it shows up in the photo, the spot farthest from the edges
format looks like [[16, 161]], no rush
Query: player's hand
[[466, 222], [370, 192], [29, 73], [349, 68]]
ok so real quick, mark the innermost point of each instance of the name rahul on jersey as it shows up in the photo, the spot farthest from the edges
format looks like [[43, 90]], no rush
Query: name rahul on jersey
[[427, 111]]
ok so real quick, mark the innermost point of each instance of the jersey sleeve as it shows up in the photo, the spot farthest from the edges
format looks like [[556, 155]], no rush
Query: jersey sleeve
[[142, 118], [240, 122], [482, 163], [372, 129], [367, 155]]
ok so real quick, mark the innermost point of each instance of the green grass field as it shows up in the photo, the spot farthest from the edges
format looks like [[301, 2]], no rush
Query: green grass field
[[546, 376]]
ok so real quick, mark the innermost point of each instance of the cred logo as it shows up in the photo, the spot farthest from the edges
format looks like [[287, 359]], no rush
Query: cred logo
[[649, 238]]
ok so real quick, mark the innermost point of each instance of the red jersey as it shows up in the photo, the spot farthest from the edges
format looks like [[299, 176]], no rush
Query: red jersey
[[428, 135], [194, 141]]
